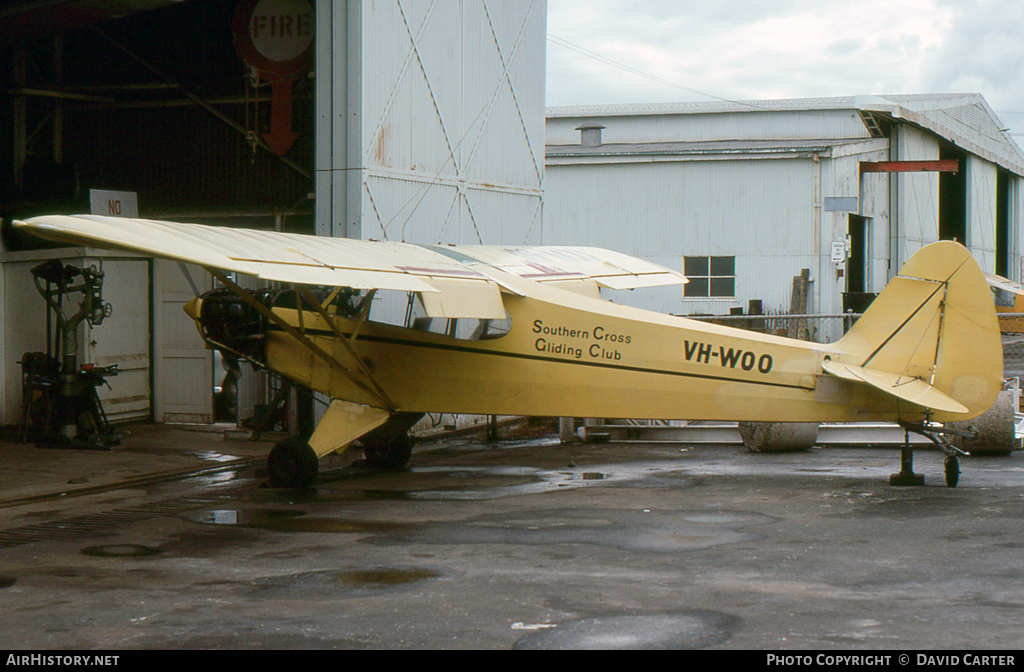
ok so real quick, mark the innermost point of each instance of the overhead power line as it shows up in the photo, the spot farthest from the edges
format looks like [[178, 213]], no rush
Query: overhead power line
[[566, 44]]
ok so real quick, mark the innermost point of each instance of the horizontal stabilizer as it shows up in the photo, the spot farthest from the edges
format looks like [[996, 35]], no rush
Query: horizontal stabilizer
[[904, 387]]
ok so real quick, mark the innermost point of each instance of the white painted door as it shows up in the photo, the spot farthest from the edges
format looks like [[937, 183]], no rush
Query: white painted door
[[183, 367]]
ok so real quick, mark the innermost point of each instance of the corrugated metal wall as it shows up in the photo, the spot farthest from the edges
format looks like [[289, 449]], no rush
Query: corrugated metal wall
[[760, 211], [453, 121], [981, 211], [448, 140], [917, 195]]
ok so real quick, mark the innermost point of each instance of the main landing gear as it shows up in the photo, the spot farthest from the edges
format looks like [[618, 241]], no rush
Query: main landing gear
[[294, 464], [951, 465]]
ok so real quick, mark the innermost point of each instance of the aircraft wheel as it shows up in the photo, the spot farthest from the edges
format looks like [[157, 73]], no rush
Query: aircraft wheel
[[292, 464], [952, 467], [392, 455]]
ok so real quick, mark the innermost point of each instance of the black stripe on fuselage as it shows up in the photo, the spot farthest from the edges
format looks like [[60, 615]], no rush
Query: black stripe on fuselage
[[520, 355]]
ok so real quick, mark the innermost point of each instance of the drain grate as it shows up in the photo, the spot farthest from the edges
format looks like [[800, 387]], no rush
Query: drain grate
[[80, 526]]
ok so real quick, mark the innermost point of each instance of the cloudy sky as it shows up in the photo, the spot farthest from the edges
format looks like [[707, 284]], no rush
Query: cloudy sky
[[647, 51]]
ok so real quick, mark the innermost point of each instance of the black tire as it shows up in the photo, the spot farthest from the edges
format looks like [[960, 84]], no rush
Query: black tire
[[952, 469], [392, 455], [292, 464]]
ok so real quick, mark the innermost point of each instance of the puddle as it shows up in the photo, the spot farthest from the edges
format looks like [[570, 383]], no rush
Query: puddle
[[348, 583], [315, 496], [7, 582], [716, 519], [240, 516], [686, 630], [333, 526], [529, 481], [208, 480], [658, 531], [121, 551], [213, 456], [276, 520], [384, 577]]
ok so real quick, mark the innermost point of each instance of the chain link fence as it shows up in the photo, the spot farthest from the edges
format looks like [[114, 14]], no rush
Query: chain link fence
[[1011, 325], [810, 327]]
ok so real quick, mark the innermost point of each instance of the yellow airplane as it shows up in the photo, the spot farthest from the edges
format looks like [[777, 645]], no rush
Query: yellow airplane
[[523, 331]]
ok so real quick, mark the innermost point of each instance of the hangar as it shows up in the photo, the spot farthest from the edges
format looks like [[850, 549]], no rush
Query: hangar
[[742, 196], [388, 120]]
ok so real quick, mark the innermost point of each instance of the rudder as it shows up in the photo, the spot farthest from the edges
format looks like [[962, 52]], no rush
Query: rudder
[[935, 322]]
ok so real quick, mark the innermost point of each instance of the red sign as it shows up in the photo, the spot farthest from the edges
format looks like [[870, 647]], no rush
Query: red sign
[[275, 36]]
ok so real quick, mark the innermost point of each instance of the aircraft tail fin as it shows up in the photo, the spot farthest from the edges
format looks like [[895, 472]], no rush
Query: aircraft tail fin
[[930, 338]]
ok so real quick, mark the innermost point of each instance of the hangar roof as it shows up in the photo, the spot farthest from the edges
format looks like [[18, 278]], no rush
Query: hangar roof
[[964, 119], [715, 147]]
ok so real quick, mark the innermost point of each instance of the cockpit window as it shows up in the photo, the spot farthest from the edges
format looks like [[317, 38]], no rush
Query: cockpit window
[[466, 329]]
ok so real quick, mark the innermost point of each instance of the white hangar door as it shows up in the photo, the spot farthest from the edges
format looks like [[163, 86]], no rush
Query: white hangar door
[[443, 112], [182, 366]]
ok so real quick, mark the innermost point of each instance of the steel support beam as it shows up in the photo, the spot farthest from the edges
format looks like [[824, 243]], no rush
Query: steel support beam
[[944, 166]]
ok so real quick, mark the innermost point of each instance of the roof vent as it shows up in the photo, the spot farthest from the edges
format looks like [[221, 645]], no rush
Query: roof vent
[[590, 134]]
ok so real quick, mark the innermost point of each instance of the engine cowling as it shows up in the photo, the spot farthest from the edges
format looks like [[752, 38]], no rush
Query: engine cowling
[[227, 321]]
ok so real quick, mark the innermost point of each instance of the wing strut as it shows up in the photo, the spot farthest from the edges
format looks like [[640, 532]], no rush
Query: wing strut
[[347, 345], [306, 342]]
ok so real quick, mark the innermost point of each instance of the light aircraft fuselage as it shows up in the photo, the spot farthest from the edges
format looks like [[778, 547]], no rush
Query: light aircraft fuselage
[[540, 341]]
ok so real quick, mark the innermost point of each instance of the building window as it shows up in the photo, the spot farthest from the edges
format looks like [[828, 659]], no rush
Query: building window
[[709, 277]]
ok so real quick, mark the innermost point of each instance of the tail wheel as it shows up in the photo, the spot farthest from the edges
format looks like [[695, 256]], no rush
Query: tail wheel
[[292, 464], [392, 455]]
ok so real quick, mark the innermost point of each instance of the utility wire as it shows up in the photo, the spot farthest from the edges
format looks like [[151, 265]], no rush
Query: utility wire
[[554, 39]]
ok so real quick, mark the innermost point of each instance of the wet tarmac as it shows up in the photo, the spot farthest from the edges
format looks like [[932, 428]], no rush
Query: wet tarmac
[[174, 540]]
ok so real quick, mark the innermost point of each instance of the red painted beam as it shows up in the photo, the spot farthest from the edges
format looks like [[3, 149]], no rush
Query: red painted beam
[[944, 166]]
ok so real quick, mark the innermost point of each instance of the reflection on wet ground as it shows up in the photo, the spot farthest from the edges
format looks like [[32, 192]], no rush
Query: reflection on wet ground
[[449, 483], [213, 456], [639, 530], [687, 630], [529, 481], [121, 551], [332, 584], [292, 521]]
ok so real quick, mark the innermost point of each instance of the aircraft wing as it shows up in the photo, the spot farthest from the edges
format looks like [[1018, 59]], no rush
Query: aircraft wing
[[560, 265], [1006, 293], [452, 280], [1004, 284]]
